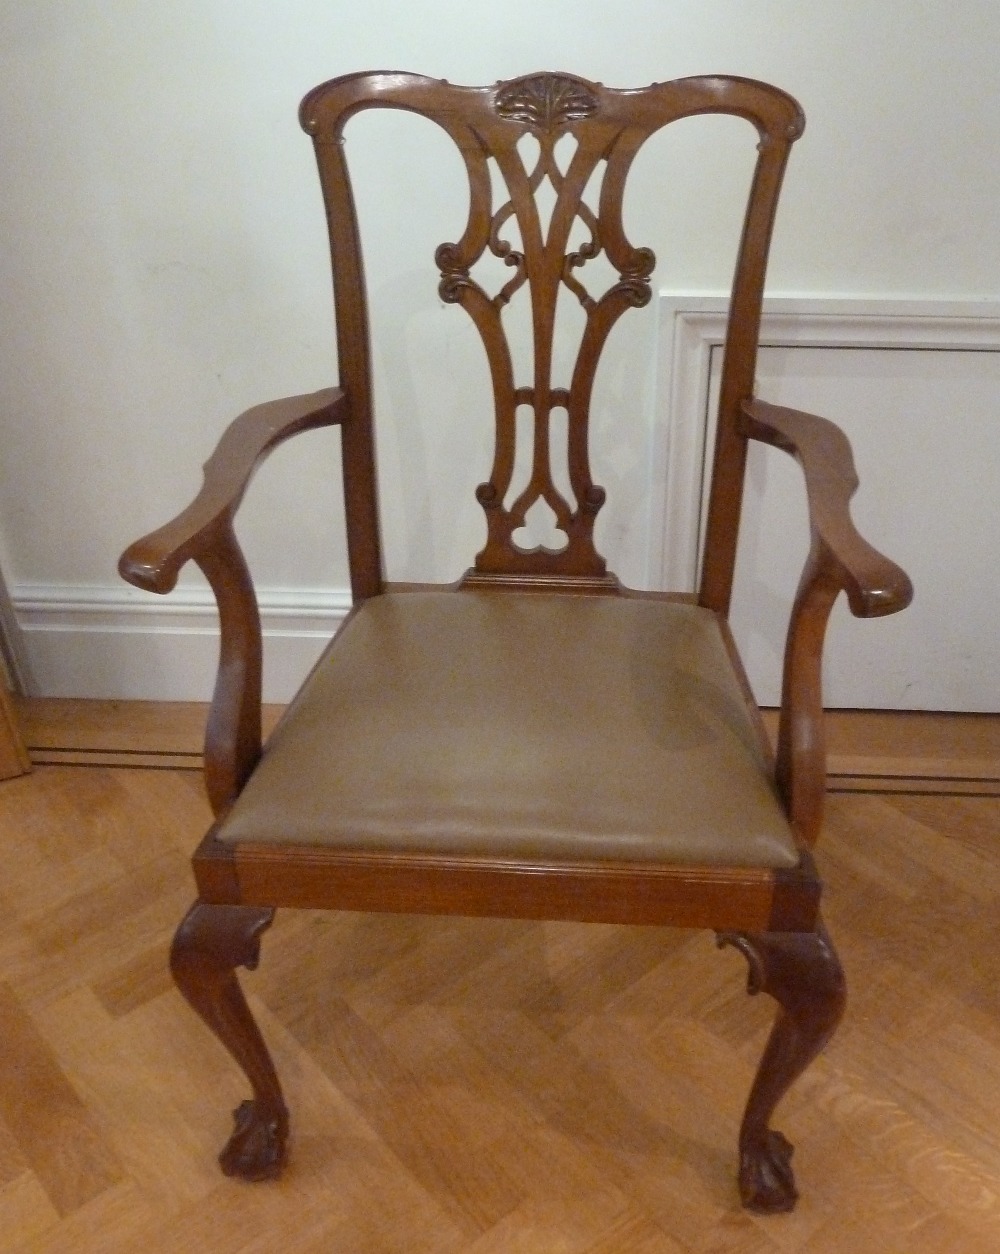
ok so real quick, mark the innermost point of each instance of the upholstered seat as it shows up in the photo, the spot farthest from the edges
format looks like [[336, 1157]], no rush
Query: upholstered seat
[[522, 724]]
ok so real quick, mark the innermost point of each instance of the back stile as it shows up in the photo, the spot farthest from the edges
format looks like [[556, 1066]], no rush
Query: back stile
[[740, 357], [364, 543]]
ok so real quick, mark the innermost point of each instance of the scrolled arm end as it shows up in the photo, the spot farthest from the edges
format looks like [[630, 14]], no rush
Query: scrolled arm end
[[875, 585], [883, 588], [154, 562], [151, 564]]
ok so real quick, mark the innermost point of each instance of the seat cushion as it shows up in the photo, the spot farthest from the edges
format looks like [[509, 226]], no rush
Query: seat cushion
[[522, 725]]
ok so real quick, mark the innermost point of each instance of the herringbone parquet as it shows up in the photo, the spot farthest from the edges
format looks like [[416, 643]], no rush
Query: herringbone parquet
[[464, 1086]]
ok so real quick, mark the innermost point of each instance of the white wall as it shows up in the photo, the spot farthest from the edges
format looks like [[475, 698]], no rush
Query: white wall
[[163, 265]]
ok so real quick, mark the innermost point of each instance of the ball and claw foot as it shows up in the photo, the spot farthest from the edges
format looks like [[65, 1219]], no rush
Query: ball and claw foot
[[767, 1185], [256, 1149], [802, 972], [211, 942]]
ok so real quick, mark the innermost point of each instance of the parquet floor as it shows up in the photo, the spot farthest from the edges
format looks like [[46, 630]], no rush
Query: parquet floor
[[473, 1086]]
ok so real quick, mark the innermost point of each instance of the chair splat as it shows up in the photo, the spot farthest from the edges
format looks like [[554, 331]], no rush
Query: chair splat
[[548, 107]]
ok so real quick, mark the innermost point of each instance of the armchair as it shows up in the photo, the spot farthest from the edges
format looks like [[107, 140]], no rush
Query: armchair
[[537, 741]]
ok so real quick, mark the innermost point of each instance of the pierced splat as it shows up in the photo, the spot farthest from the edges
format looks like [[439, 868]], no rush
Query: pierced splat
[[549, 107]]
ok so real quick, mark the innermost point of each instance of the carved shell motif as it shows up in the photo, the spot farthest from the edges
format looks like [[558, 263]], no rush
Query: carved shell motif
[[546, 102]]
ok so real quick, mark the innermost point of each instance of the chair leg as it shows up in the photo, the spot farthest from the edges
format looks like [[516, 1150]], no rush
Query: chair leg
[[211, 942], [802, 972]]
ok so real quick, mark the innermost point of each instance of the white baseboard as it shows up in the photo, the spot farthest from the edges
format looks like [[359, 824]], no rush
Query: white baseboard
[[113, 643]]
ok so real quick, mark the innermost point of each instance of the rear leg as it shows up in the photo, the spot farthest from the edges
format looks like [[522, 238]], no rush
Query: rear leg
[[211, 942]]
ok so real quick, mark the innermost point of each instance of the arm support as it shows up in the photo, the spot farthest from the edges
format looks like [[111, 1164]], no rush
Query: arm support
[[839, 560], [204, 533]]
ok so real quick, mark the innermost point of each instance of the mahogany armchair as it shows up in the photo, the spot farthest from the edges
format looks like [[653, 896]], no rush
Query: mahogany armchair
[[537, 741]]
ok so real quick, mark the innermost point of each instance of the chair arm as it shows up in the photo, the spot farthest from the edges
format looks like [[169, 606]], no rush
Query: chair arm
[[154, 562], [204, 533], [874, 585], [839, 560]]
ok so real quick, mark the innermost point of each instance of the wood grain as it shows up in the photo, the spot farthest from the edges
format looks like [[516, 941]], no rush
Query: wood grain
[[57, 1134], [14, 759], [492, 1085]]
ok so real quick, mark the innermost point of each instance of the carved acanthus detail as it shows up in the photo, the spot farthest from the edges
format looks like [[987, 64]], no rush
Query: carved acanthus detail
[[546, 102]]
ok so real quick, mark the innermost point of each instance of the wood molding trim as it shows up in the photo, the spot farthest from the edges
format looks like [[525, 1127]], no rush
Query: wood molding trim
[[14, 758], [869, 751]]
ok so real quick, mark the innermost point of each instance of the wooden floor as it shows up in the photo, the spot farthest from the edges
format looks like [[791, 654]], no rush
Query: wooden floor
[[488, 1086]]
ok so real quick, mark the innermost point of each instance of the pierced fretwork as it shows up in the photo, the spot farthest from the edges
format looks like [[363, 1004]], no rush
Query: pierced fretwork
[[548, 106]]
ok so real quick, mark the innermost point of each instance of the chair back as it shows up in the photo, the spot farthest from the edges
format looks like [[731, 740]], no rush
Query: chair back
[[547, 253]]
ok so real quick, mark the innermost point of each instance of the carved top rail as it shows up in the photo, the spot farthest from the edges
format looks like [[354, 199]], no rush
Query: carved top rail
[[488, 124]]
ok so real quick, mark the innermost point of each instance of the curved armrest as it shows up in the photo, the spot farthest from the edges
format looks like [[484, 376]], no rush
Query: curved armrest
[[839, 560], [204, 533], [874, 585], [154, 562]]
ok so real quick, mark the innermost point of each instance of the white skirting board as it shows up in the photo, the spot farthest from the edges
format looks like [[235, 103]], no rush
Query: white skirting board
[[111, 643]]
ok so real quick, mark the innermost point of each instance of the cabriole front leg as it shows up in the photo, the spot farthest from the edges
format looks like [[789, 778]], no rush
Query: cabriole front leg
[[211, 942], [802, 972]]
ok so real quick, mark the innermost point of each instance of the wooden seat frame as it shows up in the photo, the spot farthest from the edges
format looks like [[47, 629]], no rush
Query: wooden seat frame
[[772, 916]]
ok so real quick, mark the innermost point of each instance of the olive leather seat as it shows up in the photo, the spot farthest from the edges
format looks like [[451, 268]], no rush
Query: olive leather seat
[[528, 724]]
